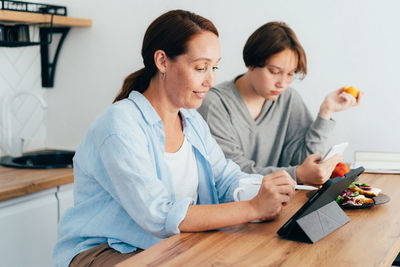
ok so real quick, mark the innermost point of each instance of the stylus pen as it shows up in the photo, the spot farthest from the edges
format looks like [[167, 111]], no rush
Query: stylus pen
[[305, 187], [297, 187]]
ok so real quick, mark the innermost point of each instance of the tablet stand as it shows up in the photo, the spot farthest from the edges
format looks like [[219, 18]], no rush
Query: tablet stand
[[318, 224]]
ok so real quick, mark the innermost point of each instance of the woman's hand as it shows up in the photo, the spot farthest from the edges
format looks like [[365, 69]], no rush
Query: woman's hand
[[338, 101], [311, 171], [275, 191]]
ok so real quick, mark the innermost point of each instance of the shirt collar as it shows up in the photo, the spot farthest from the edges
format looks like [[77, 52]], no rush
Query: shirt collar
[[148, 111]]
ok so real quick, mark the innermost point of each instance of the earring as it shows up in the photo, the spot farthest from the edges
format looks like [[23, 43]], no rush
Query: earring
[[163, 75]]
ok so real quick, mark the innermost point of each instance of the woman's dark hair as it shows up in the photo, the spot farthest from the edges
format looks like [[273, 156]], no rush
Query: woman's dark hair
[[170, 32], [270, 39]]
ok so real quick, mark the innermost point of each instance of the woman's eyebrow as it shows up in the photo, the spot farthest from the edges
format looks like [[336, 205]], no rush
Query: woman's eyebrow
[[205, 58]]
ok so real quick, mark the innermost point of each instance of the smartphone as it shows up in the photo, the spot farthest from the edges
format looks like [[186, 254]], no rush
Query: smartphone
[[334, 150]]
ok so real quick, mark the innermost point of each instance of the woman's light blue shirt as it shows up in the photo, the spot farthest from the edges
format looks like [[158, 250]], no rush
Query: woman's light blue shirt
[[123, 190]]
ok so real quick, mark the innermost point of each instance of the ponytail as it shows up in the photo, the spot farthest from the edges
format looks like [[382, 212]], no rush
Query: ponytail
[[138, 81]]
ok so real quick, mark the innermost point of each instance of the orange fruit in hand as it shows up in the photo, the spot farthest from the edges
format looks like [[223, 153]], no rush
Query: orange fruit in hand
[[352, 91], [340, 170]]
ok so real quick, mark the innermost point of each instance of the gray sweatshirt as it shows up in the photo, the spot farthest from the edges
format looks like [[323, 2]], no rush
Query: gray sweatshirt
[[281, 137]]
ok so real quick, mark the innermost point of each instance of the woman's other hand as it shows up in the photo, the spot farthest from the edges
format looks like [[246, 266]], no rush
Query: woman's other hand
[[275, 191], [311, 171], [337, 101]]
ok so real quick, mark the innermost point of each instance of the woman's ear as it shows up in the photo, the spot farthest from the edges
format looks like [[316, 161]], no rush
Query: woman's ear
[[160, 59]]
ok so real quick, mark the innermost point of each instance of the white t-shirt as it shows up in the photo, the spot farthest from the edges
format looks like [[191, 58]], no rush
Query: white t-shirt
[[183, 168]]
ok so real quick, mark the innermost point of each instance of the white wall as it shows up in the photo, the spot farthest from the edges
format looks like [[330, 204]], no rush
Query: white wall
[[20, 73], [347, 43]]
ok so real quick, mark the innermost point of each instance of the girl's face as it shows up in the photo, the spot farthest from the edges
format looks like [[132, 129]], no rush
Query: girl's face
[[191, 75], [272, 80]]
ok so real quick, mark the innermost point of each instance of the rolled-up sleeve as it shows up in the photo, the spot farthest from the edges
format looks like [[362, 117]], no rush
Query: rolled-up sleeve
[[134, 181], [176, 215]]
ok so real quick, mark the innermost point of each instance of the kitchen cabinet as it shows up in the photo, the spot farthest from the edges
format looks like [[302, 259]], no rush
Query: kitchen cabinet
[[28, 229], [28, 226], [31, 201], [65, 197]]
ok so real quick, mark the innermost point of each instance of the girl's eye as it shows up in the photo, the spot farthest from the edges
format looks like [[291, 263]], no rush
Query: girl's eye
[[274, 72], [202, 69], [215, 68]]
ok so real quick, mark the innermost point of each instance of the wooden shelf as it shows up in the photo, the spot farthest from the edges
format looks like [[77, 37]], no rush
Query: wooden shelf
[[54, 24], [28, 17]]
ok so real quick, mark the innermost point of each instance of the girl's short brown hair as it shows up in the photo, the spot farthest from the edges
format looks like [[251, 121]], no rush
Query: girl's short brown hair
[[270, 39]]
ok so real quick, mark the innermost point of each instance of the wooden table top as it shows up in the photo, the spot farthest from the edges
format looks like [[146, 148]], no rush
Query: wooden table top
[[371, 238], [18, 182]]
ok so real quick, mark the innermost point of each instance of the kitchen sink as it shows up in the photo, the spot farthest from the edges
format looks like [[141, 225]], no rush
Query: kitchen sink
[[46, 159]]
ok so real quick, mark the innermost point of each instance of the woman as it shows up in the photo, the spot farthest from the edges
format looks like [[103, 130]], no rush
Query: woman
[[261, 123], [148, 167]]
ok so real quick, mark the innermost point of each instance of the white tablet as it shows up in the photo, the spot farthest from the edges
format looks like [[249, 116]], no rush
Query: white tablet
[[334, 150]]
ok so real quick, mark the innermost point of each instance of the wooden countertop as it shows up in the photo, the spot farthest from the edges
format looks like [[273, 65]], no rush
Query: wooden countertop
[[18, 182], [370, 238]]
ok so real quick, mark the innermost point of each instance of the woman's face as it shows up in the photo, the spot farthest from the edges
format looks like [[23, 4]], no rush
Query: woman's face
[[272, 80], [190, 76]]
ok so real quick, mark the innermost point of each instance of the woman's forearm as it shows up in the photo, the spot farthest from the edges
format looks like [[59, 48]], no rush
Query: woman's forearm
[[209, 217]]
